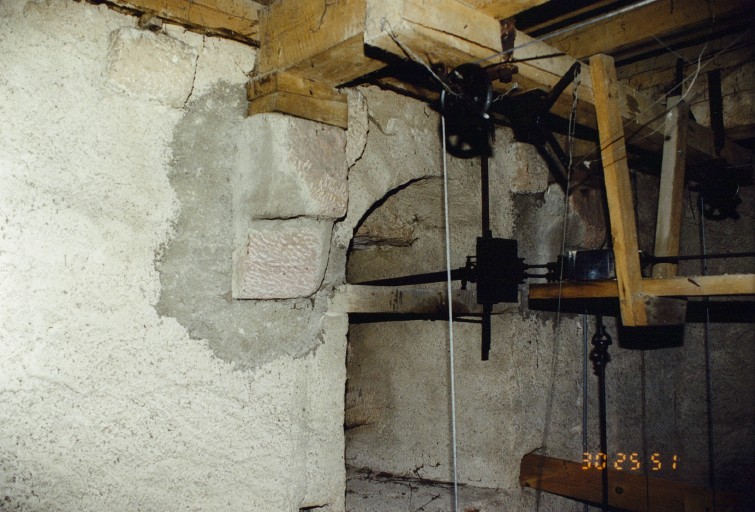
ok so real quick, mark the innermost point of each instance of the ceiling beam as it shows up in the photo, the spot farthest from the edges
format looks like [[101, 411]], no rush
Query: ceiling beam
[[321, 41], [234, 19], [502, 9], [328, 43], [655, 19]]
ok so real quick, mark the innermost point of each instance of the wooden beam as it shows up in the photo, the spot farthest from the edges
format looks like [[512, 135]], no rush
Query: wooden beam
[[668, 224], [618, 191], [321, 41], [633, 27], [235, 19], [351, 298], [686, 286], [501, 9], [626, 491], [438, 31], [287, 93]]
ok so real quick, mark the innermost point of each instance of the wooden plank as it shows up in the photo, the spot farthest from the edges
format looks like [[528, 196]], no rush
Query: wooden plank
[[668, 225], [437, 31], [626, 491], [686, 286], [322, 40], [352, 298], [618, 191], [501, 9], [236, 19], [641, 24], [287, 93]]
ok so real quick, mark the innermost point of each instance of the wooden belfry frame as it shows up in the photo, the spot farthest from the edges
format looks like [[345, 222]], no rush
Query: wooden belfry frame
[[643, 301]]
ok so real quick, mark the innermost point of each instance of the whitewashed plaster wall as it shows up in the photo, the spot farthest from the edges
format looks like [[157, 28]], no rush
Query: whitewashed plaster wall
[[104, 403]]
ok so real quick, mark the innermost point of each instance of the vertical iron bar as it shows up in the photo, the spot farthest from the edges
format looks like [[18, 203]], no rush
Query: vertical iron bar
[[485, 194], [599, 356], [716, 109]]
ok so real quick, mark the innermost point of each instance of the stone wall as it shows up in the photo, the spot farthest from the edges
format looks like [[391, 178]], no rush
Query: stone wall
[[130, 379]]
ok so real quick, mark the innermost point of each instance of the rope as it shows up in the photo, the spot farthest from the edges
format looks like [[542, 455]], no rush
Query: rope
[[570, 144], [452, 375]]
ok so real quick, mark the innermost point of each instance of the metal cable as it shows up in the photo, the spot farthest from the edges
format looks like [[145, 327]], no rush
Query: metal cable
[[452, 370]]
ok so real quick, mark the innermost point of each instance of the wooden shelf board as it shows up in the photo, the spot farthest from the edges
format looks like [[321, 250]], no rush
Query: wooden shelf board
[[689, 286]]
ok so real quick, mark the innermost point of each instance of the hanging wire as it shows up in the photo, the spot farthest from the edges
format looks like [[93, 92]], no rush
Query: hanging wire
[[570, 145], [452, 371], [556, 339], [413, 56]]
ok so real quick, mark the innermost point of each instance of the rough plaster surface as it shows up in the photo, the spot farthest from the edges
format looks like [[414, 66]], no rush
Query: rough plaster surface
[[196, 266], [105, 404]]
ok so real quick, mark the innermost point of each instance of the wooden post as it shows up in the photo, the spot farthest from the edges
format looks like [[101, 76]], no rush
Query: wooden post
[[618, 190], [671, 194]]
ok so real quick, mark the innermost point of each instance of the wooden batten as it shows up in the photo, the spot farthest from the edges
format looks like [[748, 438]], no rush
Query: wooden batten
[[236, 19], [683, 286], [288, 93], [668, 224]]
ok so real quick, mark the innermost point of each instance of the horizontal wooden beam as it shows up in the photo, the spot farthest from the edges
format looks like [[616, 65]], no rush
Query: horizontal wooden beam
[[352, 298], [691, 286], [288, 93], [501, 9], [234, 19], [626, 491], [322, 41], [447, 32], [638, 25]]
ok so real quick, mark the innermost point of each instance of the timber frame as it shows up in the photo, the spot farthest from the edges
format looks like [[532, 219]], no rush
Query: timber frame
[[310, 48]]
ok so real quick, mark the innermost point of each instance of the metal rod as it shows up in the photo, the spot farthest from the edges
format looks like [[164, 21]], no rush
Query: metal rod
[[487, 310], [716, 103], [720, 255], [485, 195], [599, 356], [429, 277]]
